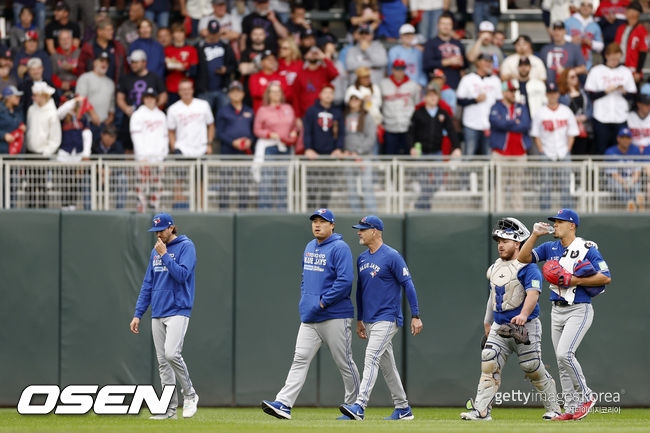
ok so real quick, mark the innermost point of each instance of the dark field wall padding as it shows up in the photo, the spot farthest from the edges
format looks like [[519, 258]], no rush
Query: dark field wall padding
[[103, 258], [447, 256], [208, 348], [29, 269]]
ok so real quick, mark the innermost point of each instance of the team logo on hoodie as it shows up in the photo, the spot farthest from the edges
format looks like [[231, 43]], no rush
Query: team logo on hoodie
[[325, 120]]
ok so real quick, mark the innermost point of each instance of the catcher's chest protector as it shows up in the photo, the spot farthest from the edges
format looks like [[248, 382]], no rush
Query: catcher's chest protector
[[507, 292]]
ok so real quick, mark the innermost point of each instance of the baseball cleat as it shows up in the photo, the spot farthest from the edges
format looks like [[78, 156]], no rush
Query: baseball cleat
[[475, 416], [400, 414], [583, 410], [354, 411], [344, 418], [566, 416], [550, 415], [276, 409], [189, 406], [170, 414]]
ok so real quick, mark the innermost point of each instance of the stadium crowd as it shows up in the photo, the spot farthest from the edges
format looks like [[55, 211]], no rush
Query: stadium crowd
[[259, 78]]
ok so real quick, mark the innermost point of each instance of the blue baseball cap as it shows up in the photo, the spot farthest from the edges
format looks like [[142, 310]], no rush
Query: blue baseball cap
[[566, 215], [326, 214], [161, 222], [624, 132], [370, 222]]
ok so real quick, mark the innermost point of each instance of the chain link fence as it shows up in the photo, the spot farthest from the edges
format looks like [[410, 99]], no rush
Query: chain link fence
[[293, 185]]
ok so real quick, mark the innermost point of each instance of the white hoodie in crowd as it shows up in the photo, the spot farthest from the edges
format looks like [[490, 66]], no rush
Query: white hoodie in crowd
[[149, 134], [43, 129]]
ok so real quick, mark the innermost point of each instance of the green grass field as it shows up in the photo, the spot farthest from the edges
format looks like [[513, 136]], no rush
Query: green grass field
[[323, 420]]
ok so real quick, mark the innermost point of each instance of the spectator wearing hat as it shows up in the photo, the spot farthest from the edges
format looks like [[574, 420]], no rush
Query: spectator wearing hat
[[532, 92], [560, 54], [263, 16], [290, 62], [7, 76], [476, 93], [307, 40], [400, 95], [554, 11], [30, 50], [181, 61], [191, 123], [509, 124], [573, 95], [429, 11], [61, 21], [154, 50], [235, 123], [639, 122], [366, 52], [584, 31], [43, 134], [217, 63], [11, 118], [131, 89], [229, 24], [371, 93], [409, 53], [484, 45], [523, 48], [36, 7], [104, 43], [127, 32], [429, 124], [610, 86], [157, 11], [360, 142], [65, 62], [259, 81], [76, 137], [633, 39], [625, 182], [610, 15], [99, 90], [317, 71], [444, 52], [24, 24]]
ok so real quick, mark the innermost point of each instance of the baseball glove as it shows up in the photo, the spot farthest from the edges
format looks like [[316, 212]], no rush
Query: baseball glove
[[518, 332], [554, 273], [584, 268]]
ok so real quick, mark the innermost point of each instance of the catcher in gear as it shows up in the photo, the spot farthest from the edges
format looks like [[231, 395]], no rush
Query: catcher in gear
[[512, 324], [576, 272]]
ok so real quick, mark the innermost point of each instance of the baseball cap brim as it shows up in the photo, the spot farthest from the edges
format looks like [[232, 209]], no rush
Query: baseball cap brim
[[363, 226], [157, 229]]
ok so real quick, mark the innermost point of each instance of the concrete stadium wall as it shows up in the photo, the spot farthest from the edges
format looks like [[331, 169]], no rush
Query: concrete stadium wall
[[70, 281]]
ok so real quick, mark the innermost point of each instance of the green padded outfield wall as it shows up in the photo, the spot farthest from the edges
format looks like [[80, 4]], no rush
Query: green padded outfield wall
[[71, 279], [29, 310]]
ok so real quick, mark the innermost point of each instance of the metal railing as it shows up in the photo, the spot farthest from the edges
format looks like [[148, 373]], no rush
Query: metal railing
[[298, 185]]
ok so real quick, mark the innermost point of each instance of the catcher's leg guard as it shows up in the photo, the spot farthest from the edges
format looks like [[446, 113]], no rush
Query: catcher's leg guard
[[531, 363], [490, 379]]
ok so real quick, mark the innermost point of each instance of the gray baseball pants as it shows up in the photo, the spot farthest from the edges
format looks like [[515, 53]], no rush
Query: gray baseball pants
[[168, 335], [569, 325], [337, 335], [379, 354]]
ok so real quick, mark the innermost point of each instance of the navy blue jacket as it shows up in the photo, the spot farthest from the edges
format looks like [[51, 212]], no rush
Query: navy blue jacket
[[327, 274], [9, 122], [435, 50], [324, 129], [230, 125], [501, 125], [211, 58], [168, 285]]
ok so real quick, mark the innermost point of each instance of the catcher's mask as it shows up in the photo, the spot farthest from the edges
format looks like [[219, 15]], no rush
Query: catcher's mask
[[510, 228]]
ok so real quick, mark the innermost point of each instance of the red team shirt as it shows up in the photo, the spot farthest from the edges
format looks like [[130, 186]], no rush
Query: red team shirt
[[187, 56], [258, 83], [637, 42]]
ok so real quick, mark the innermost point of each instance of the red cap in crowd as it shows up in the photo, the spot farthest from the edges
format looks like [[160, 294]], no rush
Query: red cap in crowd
[[399, 63]]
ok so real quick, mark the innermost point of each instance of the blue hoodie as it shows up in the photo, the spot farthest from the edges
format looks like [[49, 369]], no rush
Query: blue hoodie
[[169, 282], [327, 274]]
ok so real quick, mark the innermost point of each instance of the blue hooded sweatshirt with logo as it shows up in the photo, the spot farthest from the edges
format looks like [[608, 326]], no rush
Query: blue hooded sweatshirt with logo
[[168, 285], [327, 274]]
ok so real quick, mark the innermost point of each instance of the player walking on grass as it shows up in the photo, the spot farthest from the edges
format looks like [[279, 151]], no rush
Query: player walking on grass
[[512, 324], [382, 273], [168, 287], [577, 272], [326, 314]]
